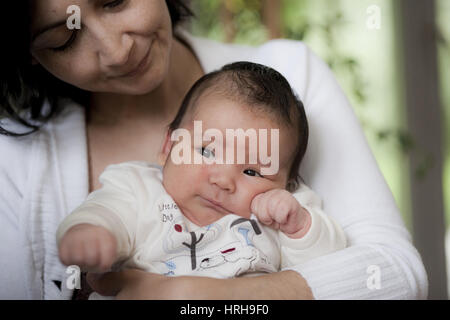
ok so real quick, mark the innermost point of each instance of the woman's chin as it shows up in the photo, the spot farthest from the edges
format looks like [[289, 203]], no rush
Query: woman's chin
[[142, 85], [134, 88]]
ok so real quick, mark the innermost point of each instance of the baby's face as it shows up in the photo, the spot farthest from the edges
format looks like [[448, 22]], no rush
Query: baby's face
[[205, 192]]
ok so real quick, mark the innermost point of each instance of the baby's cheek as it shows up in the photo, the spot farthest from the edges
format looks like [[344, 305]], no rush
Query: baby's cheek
[[246, 202], [245, 213]]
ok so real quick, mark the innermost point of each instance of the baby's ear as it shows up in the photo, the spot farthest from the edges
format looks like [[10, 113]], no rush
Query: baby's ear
[[165, 151]]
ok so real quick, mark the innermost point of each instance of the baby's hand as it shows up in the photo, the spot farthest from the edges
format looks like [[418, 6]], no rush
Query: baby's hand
[[279, 209], [90, 247]]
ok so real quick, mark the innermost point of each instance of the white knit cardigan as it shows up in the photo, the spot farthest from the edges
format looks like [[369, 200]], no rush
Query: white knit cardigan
[[44, 176]]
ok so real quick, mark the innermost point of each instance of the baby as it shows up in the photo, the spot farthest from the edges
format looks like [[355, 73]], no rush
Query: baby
[[219, 218]]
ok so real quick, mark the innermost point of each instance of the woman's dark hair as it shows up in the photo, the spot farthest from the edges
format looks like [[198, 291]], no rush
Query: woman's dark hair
[[24, 87], [262, 89]]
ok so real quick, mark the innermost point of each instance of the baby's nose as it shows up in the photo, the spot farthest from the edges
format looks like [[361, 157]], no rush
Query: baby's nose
[[223, 177]]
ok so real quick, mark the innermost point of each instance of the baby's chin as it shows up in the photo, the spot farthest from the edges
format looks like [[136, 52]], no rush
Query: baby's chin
[[209, 216]]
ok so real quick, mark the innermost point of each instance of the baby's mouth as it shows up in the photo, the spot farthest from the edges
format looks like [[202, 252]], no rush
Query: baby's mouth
[[215, 205]]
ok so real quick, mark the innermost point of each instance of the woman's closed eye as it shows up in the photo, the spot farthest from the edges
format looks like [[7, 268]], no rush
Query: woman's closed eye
[[68, 43], [113, 4], [74, 33]]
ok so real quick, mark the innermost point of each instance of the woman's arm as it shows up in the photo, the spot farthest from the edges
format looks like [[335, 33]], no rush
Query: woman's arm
[[12, 280], [136, 284], [14, 164]]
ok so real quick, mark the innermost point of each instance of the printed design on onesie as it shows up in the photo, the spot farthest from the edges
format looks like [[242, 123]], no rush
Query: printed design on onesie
[[241, 255], [225, 248], [178, 239]]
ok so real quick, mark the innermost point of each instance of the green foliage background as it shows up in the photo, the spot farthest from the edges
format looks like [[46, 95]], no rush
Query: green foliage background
[[443, 10]]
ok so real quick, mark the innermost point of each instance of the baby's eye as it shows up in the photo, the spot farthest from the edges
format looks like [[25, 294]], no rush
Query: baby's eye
[[206, 152], [252, 173]]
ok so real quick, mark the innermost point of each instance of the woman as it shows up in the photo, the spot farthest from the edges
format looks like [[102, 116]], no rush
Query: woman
[[128, 72]]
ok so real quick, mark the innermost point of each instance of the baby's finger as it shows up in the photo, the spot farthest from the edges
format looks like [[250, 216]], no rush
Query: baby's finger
[[256, 203], [273, 203], [265, 218], [108, 254], [260, 201], [292, 225], [284, 210], [275, 225], [63, 253], [91, 253]]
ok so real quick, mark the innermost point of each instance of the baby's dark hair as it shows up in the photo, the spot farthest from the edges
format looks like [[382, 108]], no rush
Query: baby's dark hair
[[261, 88]]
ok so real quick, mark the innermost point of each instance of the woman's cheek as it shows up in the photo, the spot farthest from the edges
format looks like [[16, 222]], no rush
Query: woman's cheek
[[77, 71], [147, 20]]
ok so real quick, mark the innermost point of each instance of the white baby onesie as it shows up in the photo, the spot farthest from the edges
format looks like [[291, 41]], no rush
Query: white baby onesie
[[154, 235]]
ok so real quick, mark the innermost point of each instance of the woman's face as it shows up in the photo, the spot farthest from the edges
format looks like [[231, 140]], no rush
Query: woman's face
[[122, 46]]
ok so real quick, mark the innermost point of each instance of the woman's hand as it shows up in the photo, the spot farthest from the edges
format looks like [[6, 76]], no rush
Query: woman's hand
[[132, 284]]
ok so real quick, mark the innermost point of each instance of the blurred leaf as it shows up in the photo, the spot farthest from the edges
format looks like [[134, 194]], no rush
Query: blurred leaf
[[401, 137], [405, 140], [300, 33], [441, 39], [351, 63], [424, 167], [383, 135]]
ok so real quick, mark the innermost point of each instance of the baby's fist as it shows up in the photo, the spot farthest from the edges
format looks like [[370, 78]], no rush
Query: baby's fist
[[279, 209], [90, 247]]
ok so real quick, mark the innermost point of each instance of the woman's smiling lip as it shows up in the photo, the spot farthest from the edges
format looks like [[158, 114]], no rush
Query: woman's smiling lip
[[141, 67]]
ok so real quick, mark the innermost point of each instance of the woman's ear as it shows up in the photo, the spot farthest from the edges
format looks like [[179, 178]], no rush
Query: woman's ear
[[167, 146]]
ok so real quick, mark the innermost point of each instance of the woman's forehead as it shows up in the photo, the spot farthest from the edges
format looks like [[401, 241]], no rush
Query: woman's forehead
[[45, 12], [49, 8]]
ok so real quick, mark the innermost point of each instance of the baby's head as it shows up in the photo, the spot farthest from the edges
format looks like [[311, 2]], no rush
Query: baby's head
[[203, 168]]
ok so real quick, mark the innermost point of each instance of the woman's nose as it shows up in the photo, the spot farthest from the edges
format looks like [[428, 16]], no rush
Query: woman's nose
[[114, 46], [223, 177], [115, 51]]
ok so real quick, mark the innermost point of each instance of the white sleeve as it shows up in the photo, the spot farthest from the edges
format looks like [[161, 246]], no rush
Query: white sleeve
[[324, 236], [13, 181], [113, 206], [339, 166]]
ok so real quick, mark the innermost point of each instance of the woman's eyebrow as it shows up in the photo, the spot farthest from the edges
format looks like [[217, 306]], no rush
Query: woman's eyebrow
[[47, 28]]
